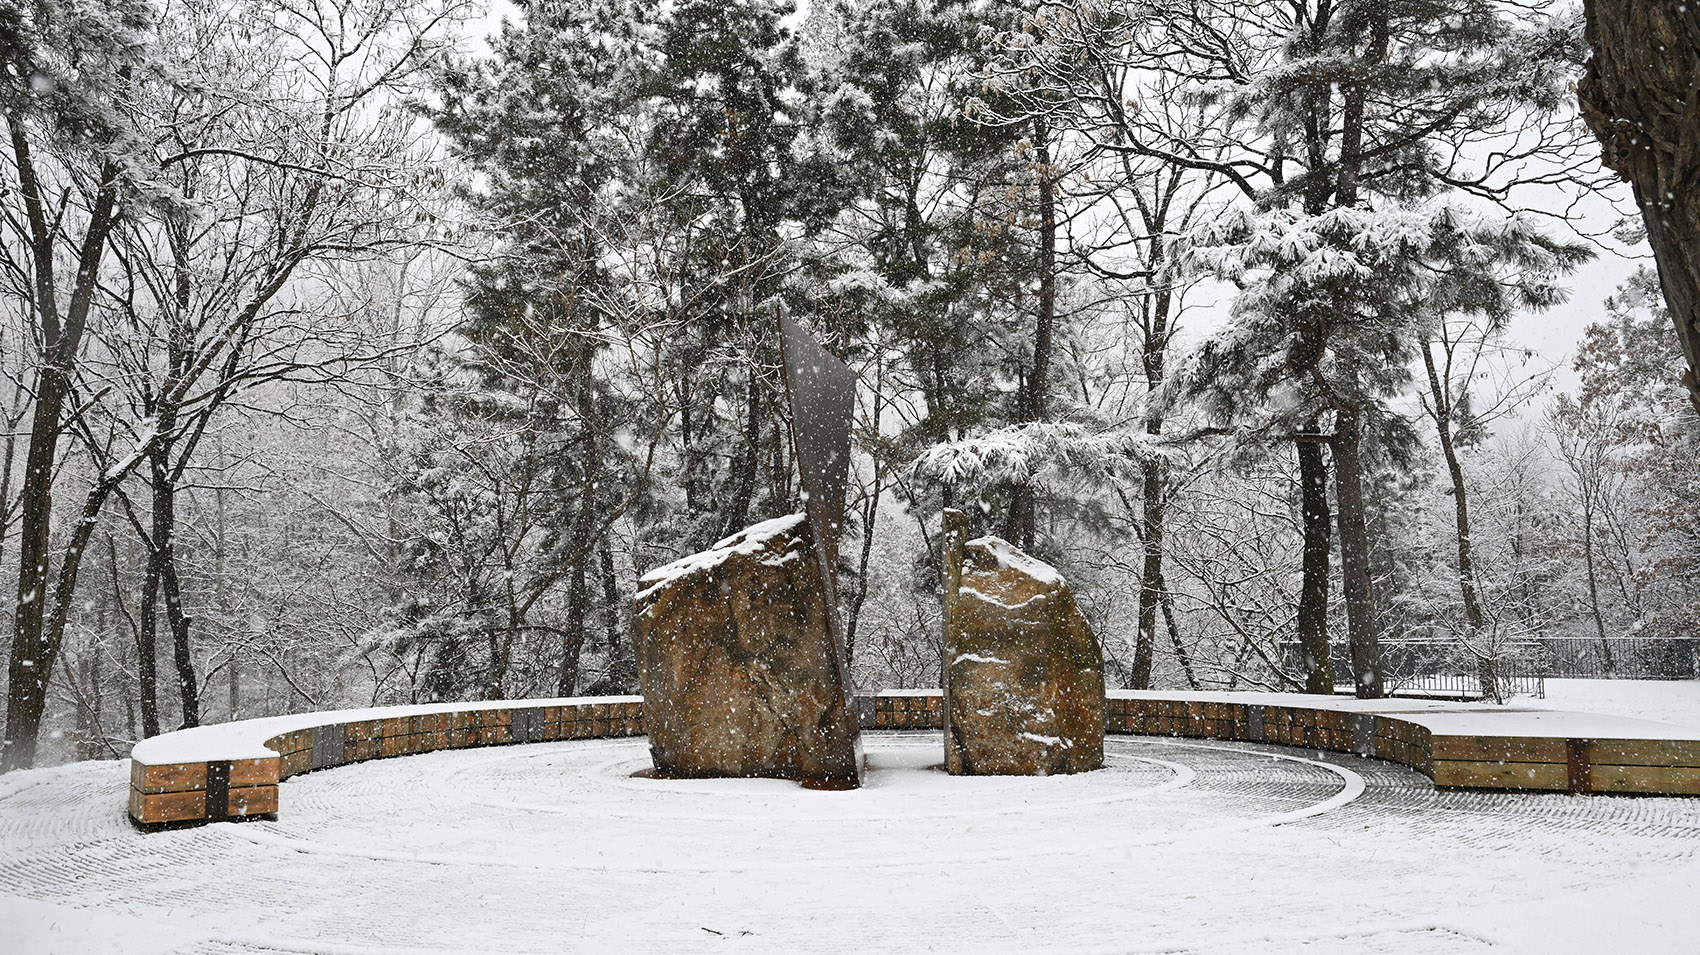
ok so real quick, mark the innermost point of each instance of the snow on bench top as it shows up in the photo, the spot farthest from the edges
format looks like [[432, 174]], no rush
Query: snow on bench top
[[1450, 719], [246, 739]]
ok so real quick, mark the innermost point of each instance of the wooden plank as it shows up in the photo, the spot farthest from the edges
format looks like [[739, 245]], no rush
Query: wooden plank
[[1496, 775], [253, 800], [153, 808], [255, 772], [360, 733], [169, 777], [1395, 751], [1652, 780], [1644, 752], [1492, 749], [295, 764]]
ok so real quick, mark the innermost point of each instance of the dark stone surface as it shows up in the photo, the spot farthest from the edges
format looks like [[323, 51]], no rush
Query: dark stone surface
[[1024, 674], [739, 670]]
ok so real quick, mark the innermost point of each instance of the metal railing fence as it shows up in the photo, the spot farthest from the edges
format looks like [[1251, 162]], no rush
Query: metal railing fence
[[1446, 668]]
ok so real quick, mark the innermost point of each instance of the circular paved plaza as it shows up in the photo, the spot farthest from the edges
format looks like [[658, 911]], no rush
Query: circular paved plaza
[[1176, 846]]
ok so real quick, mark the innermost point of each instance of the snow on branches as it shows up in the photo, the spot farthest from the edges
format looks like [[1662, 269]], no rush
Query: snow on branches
[[1032, 451]]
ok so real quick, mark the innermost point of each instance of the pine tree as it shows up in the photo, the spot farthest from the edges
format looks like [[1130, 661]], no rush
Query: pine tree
[[1346, 116], [733, 143], [547, 121]]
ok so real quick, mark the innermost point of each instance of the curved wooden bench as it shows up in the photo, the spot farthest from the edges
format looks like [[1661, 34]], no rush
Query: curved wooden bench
[[1457, 745], [232, 770]]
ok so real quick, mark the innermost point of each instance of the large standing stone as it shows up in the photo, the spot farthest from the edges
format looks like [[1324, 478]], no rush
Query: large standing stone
[[1024, 675], [738, 667]]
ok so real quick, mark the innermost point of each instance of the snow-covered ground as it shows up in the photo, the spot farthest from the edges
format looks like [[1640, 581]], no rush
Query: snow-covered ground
[[1177, 846], [1673, 701]]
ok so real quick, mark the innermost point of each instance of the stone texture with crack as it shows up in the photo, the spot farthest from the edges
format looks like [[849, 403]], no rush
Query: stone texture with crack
[[1024, 674], [737, 662]]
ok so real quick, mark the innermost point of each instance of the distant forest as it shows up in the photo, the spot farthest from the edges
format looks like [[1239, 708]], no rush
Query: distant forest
[[367, 351]]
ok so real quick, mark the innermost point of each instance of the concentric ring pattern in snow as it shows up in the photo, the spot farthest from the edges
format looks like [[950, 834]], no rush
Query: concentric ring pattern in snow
[[1176, 846]]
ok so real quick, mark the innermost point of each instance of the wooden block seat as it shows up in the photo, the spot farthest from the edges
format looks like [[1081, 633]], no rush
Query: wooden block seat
[[906, 709], [1457, 745], [232, 770]]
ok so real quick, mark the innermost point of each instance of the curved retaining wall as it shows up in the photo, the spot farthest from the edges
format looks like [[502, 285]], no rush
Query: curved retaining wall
[[232, 770], [1457, 745]]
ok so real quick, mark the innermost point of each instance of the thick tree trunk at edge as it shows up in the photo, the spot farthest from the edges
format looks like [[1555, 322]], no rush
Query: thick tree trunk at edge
[[1641, 97], [1354, 557], [1313, 588]]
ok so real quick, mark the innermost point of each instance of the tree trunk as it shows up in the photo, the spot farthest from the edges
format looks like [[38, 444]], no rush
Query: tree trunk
[[1153, 354], [622, 661], [221, 591], [1023, 520], [147, 648], [165, 554], [1151, 572], [1181, 653], [688, 444], [870, 518], [51, 628], [853, 619], [572, 641], [1594, 584], [30, 666], [1313, 588], [1641, 97], [102, 628], [96, 694], [1487, 671], [610, 595], [738, 510], [235, 685], [581, 546], [1354, 556], [31, 663], [182, 654]]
